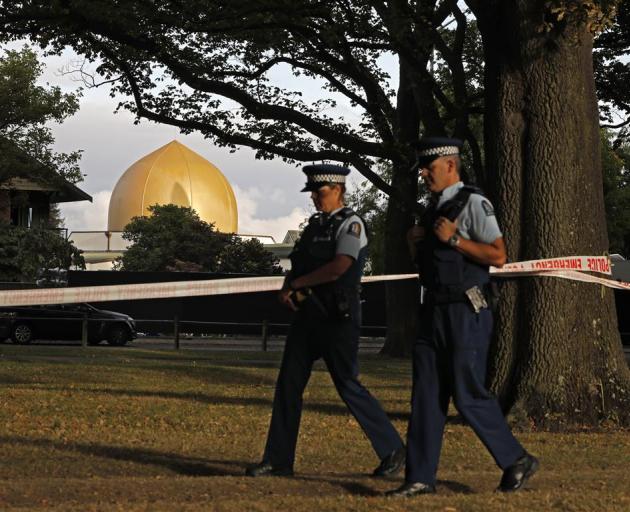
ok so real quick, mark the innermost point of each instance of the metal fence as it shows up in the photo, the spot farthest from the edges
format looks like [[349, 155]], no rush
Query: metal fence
[[173, 327]]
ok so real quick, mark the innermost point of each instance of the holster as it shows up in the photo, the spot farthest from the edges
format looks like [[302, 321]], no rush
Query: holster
[[306, 300], [329, 302]]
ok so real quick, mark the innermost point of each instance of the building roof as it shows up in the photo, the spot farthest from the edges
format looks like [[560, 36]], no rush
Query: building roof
[[42, 179], [174, 174], [61, 190], [291, 237]]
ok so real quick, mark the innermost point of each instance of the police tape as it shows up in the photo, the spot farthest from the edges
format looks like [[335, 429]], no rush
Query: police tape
[[600, 264], [174, 289], [574, 268], [574, 275]]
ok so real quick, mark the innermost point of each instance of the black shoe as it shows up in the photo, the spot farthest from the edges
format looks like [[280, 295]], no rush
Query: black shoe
[[409, 489], [517, 474], [266, 469], [391, 464]]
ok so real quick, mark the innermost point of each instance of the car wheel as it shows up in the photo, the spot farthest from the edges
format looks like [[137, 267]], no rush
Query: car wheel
[[22, 334], [117, 335]]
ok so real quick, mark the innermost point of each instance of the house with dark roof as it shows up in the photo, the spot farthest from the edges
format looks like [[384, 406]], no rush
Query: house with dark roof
[[26, 199]]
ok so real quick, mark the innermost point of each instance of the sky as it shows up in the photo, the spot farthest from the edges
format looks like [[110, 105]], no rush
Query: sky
[[267, 191]]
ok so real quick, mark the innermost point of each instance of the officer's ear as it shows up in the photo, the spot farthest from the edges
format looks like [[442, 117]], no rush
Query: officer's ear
[[452, 164]]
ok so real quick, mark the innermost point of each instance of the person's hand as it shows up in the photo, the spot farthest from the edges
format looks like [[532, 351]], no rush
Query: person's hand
[[444, 229], [284, 297], [415, 234]]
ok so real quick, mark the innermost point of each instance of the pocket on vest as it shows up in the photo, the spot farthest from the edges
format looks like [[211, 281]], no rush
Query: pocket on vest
[[449, 267]]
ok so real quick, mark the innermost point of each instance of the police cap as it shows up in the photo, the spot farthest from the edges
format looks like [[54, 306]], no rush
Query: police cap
[[430, 148], [318, 175]]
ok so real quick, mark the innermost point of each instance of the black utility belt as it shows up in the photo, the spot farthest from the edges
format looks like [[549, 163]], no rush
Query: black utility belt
[[477, 296], [329, 304]]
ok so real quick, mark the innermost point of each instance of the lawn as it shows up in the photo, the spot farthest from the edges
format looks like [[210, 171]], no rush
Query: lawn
[[127, 429]]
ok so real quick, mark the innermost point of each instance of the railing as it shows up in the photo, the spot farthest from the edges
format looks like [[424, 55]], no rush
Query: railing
[[264, 329], [10, 285]]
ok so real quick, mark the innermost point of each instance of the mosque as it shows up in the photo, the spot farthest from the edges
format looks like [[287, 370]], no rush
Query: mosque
[[172, 174]]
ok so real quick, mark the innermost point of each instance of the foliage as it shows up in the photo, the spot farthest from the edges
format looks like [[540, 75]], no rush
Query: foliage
[[247, 256], [612, 73], [595, 14], [369, 203], [27, 253], [220, 68], [616, 171], [175, 238], [26, 110]]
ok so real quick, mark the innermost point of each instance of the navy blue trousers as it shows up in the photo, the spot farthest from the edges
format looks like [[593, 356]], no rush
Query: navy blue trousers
[[337, 342], [449, 360]]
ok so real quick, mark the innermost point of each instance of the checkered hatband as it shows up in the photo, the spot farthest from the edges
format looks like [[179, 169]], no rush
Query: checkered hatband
[[326, 178], [440, 151]]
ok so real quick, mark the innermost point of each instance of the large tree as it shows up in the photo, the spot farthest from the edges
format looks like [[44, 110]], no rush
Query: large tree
[[558, 349], [26, 151], [217, 67], [26, 111]]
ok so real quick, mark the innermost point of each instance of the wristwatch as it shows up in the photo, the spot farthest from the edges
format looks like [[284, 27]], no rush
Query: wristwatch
[[453, 241]]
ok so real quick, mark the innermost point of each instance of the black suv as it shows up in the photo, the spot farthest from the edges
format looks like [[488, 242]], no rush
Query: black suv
[[24, 324]]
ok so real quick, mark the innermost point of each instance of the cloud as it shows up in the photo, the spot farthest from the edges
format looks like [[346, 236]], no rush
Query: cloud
[[86, 216], [248, 201]]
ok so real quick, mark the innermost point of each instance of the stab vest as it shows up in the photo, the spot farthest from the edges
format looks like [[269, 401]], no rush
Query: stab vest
[[318, 245], [445, 272]]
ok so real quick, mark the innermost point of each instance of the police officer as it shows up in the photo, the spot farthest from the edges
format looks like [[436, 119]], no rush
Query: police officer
[[460, 238], [323, 287]]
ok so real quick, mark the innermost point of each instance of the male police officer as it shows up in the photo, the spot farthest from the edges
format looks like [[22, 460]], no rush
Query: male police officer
[[459, 240], [323, 287]]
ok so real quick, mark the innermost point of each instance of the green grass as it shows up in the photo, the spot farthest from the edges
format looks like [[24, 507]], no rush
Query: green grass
[[127, 429]]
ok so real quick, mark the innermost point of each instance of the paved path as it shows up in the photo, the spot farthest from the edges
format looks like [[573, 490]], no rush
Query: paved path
[[274, 344], [225, 344]]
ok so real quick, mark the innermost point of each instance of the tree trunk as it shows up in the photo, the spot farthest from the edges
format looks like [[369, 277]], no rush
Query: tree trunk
[[402, 299], [402, 296], [557, 351]]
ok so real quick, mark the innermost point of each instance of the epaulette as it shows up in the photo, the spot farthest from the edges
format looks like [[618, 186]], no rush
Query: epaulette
[[453, 207]]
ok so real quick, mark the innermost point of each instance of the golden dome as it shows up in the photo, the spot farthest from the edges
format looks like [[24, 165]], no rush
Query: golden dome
[[173, 174]]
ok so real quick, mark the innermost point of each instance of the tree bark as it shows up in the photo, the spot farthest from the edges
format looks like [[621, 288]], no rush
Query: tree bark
[[402, 299], [557, 351]]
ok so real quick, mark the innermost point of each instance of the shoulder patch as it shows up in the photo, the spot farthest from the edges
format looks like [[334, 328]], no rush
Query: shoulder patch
[[354, 229], [487, 208]]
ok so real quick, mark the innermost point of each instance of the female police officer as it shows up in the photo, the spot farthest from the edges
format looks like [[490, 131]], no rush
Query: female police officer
[[459, 240], [323, 287]]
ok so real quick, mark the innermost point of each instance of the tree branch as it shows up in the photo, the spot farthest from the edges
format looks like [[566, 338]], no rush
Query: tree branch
[[256, 108]]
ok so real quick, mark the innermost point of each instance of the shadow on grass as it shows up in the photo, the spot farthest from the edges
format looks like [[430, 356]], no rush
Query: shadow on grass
[[456, 487], [360, 489], [325, 408], [189, 466]]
